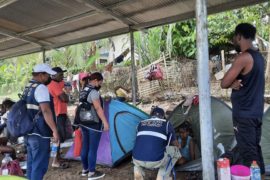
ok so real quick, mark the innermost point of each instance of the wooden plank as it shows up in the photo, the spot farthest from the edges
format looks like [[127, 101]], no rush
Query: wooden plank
[[146, 87]]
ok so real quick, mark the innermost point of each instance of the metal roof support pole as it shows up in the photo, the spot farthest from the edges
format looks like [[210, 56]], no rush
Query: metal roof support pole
[[133, 69], [204, 91], [44, 56]]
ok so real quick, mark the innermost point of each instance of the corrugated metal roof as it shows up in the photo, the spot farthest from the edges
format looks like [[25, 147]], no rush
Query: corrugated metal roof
[[28, 26]]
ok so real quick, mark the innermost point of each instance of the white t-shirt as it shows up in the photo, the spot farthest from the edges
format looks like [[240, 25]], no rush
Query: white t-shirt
[[42, 94]]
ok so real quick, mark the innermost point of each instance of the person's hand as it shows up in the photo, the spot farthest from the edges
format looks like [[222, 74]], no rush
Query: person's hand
[[55, 137], [106, 127], [236, 85]]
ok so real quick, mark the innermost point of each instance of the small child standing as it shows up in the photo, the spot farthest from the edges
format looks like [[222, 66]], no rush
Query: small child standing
[[187, 147]]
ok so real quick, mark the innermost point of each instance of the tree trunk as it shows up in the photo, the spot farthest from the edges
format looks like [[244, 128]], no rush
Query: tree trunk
[[267, 72]]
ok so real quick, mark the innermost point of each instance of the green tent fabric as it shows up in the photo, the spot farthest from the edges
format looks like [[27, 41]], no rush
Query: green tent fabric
[[222, 123], [265, 141], [222, 128]]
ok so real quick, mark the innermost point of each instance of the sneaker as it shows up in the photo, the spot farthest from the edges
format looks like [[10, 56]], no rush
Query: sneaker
[[95, 175], [84, 172]]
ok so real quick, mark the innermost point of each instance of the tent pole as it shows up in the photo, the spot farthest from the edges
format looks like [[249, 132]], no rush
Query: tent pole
[[133, 68], [43, 55], [204, 91]]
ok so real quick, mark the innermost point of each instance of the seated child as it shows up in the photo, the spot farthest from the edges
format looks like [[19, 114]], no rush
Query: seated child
[[6, 105], [187, 147], [4, 148]]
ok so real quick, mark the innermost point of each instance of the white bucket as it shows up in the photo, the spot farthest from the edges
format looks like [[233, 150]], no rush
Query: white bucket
[[240, 177]]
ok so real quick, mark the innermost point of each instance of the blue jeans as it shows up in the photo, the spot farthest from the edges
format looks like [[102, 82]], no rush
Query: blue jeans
[[38, 154], [90, 144]]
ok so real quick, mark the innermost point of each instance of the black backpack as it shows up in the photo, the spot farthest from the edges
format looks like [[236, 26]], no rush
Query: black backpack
[[85, 111]]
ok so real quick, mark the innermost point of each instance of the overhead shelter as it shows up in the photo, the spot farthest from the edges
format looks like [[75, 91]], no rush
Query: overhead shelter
[[28, 26]]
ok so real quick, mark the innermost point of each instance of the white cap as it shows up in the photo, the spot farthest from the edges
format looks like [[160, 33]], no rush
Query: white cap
[[43, 68]]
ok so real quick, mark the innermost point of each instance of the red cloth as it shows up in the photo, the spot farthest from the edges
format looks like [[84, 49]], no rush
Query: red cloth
[[77, 143], [195, 100], [13, 168], [56, 89]]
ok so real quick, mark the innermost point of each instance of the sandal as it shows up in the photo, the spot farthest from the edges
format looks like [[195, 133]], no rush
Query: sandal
[[61, 165]]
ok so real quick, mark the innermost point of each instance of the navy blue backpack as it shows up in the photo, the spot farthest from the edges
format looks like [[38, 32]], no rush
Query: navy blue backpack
[[19, 122]]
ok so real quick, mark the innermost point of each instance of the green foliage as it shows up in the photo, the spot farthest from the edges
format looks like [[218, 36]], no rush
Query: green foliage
[[221, 26], [177, 39], [73, 58], [92, 59], [15, 73], [127, 62], [181, 39], [148, 45]]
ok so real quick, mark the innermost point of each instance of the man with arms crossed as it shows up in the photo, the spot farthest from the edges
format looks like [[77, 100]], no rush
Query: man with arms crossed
[[246, 78]]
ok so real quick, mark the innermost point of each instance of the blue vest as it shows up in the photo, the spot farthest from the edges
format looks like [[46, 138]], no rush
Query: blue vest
[[41, 128], [185, 152], [248, 102], [152, 139]]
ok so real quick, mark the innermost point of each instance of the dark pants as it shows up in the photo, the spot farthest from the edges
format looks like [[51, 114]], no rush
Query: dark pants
[[61, 127], [90, 144], [38, 154], [248, 136]]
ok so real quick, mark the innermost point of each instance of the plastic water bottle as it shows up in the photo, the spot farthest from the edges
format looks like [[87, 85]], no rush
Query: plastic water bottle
[[54, 149], [223, 169], [255, 171], [5, 162]]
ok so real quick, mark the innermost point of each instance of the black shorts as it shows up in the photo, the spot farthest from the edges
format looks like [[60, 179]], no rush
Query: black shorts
[[61, 123]]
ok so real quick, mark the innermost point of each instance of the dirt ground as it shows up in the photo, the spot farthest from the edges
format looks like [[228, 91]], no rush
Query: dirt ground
[[122, 172]]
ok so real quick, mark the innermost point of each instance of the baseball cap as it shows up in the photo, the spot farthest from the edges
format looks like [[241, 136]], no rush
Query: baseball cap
[[39, 68], [157, 111], [83, 75], [58, 70]]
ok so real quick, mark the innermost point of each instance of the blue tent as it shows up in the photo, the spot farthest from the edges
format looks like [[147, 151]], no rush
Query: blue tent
[[118, 142]]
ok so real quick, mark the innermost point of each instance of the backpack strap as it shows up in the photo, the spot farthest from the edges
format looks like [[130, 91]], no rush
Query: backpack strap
[[26, 91], [84, 99], [28, 88]]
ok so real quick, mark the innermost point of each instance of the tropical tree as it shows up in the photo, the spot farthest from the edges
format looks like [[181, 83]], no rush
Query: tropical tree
[[148, 45], [179, 39], [15, 73], [221, 25]]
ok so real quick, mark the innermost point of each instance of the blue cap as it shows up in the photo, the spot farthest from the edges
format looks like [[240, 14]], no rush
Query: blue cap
[[158, 112]]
